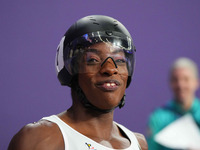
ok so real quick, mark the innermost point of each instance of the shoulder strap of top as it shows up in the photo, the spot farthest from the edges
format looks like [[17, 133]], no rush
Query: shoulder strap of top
[[131, 135], [62, 126]]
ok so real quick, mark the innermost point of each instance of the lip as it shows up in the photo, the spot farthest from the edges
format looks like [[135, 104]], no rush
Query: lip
[[108, 85]]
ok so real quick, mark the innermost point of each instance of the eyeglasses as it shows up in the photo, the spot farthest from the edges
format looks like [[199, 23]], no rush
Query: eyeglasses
[[93, 60]]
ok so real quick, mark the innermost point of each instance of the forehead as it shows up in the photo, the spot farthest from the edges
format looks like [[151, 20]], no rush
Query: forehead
[[104, 48], [183, 71]]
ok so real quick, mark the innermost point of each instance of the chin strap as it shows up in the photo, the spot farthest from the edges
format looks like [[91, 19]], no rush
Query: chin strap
[[87, 104]]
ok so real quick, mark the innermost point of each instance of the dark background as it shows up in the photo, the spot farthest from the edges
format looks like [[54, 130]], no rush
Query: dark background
[[31, 30]]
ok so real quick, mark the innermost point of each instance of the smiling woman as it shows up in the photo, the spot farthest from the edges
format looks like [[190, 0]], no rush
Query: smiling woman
[[96, 59]]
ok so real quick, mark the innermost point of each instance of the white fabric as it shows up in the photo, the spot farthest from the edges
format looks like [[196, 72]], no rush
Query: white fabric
[[59, 56], [74, 140], [180, 134]]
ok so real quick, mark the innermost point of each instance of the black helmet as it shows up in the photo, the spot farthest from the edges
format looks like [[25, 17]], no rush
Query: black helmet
[[87, 31]]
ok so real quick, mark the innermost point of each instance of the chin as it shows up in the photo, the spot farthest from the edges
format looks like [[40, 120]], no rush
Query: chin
[[181, 98], [106, 101]]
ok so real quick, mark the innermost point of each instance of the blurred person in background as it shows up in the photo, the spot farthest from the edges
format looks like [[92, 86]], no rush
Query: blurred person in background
[[184, 82]]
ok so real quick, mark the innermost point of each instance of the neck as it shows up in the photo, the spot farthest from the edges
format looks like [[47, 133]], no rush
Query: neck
[[186, 103], [81, 113], [85, 119]]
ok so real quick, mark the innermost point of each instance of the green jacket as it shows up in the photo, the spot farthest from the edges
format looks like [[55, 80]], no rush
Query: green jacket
[[163, 116]]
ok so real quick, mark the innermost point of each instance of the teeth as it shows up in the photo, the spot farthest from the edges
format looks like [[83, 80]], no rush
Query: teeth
[[108, 84], [112, 84]]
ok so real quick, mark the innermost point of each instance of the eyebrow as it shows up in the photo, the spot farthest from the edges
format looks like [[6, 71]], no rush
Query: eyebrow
[[96, 51], [93, 50]]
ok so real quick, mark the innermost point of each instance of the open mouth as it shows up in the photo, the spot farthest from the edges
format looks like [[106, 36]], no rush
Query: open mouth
[[108, 85]]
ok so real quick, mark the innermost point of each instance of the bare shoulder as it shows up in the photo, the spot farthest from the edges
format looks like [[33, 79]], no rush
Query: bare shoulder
[[41, 135], [142, 141]]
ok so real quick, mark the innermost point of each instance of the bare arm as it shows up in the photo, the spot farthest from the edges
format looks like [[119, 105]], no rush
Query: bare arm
[[142, 141], [43, 135]]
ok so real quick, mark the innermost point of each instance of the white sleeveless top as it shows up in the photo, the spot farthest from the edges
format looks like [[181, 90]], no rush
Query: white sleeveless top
[[74, 140]]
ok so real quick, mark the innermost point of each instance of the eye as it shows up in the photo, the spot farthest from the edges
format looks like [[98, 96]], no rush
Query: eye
[[120, 61], [92, 60], [119, 58]]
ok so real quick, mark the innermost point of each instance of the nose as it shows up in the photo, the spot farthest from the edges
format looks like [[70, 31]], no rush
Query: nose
[[109, 67]]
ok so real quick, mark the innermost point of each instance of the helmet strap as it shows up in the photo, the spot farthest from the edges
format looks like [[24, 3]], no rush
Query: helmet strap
[[122, 102]]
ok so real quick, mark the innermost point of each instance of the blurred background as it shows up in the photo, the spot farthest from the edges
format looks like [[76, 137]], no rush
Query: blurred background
[[31, 30]]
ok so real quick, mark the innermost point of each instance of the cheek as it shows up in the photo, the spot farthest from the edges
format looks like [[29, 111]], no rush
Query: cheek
[[188, 84], [124, 78], [192, 85], [85, 82]]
